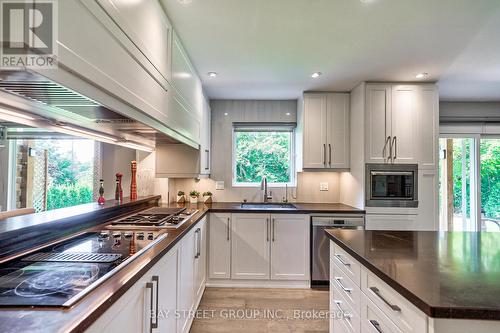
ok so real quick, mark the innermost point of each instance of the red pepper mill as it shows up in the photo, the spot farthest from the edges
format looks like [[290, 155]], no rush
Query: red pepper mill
[[101, 199], [119, 191], [133, 182]]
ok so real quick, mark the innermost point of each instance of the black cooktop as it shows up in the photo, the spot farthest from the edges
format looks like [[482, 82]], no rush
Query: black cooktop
[[157, 216], [55, 275]]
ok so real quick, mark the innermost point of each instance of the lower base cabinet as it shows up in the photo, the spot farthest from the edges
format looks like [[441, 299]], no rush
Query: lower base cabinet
[[133, 312], [176, 283], [255, 247]]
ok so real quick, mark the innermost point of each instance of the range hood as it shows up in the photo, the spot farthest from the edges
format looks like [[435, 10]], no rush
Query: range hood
[[49, 105]]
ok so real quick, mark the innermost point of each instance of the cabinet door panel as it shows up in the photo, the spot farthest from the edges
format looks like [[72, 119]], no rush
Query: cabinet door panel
[[168, 283], [338, 130], [205, 139], [391, 222], [289, 247], [250, 246], [404, 124], [186, 280], [200, 261], [378, 121], [219, 243], [315, 131]]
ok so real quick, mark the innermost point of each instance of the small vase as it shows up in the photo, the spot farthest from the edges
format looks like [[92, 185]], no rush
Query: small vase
[[181, 199], [193, 200], [207, 199]]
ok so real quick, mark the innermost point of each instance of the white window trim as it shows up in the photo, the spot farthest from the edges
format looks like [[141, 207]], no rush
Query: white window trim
[[293, 173]]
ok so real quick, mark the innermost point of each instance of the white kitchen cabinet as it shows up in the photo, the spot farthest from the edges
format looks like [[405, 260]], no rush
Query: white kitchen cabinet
[[219, 243], [205, 142], [325, 131], [391, 222], [186, 280], [250, 252], [147, 26], [401, 124], [131, 313], [290, 246], [200, 268]]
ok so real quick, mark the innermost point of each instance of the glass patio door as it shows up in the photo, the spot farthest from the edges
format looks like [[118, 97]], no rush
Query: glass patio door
[[490, 183]]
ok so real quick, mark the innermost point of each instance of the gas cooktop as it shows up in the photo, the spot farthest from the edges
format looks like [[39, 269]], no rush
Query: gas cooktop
[[59, 275], [157, 217]]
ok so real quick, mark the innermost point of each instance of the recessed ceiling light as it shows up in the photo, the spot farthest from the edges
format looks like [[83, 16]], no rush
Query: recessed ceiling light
[[185, 2], [366, 1], [288, 113], [315, 75], [212, 74], [422, 75], [225, 113]]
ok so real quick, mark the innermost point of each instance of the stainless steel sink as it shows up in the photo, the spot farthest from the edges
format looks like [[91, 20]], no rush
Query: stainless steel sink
[[268, 206]]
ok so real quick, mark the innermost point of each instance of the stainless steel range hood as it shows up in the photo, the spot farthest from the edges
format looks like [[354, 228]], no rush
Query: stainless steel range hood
[[55, 107]]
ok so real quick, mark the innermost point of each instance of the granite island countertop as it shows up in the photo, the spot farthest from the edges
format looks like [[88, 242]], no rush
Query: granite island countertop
[[444, 274]]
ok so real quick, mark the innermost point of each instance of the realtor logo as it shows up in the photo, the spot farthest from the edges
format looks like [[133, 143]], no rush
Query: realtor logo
[[28, 33]]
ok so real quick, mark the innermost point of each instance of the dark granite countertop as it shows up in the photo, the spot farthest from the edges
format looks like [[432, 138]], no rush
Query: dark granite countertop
[[310, 208], [444, 274], [86, 311]]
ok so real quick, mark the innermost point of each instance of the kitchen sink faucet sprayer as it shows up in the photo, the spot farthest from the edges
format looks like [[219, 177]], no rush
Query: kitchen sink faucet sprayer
[[263, 187]]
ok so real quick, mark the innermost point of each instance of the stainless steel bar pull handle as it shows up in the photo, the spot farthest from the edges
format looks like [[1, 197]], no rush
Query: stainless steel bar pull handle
[[330, 155], [273, 229], [339, 257], [379, 295], [384, 151], [208, 159], [390, 150], [324, 154], [395, 145], [149, 285], [267, 230], [228, 227], [198, 243], [346, 315], [376, 325], [156, 279], [339, 281]]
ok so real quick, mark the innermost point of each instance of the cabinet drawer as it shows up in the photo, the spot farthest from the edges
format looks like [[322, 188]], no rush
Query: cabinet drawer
[[404, 314], [343, 311], [350, 266], [349, 290], [373, 320]]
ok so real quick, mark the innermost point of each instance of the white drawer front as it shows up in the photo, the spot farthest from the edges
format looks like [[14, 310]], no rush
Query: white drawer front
[[348, 264], [346, 314], [404, 314], [350, 291], [373, 320]]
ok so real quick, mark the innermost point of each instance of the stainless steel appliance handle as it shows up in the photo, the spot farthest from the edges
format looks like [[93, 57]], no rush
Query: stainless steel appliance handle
[[391, 173], [267, 229], [379, 295], [330, 156], [339, 257], [228, 227], [376, 325], [347, 315], [156, 279], [149, 285], [208, 159], [395, 144], [339, 281], [273, 229], [324, 154]]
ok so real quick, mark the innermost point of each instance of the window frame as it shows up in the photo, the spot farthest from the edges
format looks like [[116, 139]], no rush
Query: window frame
[[267, 127]]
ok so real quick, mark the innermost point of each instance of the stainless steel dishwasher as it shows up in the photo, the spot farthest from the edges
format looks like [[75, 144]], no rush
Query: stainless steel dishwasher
[[320, 243]]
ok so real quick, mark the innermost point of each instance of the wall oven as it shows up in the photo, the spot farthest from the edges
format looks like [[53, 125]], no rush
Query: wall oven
[[391, 185]]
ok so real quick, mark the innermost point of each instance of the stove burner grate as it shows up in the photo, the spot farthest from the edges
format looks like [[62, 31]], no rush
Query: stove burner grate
[[74, 257]]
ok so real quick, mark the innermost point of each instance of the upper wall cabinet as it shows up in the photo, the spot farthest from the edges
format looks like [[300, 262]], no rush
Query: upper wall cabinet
[[205, 139], [325, 131], [401, 124], [147, 26]]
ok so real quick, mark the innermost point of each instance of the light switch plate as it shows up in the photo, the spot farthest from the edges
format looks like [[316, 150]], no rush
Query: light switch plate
[[219, 185], [323, 186]]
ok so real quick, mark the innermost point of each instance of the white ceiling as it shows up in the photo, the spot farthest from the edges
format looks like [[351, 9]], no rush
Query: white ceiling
[[267, 49]]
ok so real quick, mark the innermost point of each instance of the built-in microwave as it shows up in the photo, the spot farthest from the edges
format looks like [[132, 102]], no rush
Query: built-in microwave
[[391, 185]]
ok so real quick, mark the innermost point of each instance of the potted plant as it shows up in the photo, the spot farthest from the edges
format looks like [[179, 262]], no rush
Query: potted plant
[[193, 195], [180, 197], [207, 197]]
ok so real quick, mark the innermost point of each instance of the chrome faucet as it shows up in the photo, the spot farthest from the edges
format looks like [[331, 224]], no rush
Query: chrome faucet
[[263, 187]]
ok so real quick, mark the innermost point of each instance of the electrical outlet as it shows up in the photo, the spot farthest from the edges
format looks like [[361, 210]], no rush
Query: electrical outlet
[[219, 185], [323, 186]]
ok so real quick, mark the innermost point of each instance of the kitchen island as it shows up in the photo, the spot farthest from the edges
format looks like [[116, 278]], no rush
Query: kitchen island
[[409, 281]]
